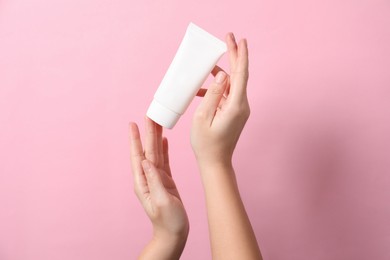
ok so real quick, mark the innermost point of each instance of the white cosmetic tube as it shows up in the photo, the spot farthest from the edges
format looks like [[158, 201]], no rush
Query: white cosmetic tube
[[197, 55]]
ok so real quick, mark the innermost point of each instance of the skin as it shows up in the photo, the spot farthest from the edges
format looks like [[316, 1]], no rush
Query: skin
[[157, 192], [216, 128]]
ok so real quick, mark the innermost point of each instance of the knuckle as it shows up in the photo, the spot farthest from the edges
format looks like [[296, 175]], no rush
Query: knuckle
[[200, 115], [162, 203], [137, 157], [152, 156], [217, 89], [235, 111], [150, 153], [240, 111]]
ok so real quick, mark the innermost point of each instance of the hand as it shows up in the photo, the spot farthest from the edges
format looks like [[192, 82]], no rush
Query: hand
[[157, 192], [224, 110], [216, 128]]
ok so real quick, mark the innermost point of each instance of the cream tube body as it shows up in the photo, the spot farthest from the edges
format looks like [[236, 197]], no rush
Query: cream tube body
[[197, 55]]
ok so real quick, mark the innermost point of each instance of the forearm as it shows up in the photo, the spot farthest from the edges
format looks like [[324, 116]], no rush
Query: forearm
[[164, 248], [231, 233]]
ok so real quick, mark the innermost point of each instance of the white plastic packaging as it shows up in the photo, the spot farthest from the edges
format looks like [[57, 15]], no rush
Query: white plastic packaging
[[197, 55]]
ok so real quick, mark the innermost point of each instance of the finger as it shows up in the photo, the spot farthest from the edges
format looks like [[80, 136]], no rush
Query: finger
[[239, 77], [210, 102], [156, 186], [136, 157], [136, 151], [166, 156], [215, 71], [227, 90], [202, 91], [151, 146], [232, 50], [159, 131], [242, 59]]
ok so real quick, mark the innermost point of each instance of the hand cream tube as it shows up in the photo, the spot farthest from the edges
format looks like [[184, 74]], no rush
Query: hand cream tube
[[197, 55]]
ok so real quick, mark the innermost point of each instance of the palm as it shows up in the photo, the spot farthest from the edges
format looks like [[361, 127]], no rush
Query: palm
[[169, 186]]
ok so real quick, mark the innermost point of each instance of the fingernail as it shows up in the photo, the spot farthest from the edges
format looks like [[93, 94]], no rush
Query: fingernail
[[146, 165], [220, 77]]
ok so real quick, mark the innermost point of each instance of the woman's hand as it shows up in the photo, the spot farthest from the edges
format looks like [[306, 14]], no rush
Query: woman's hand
[[224, 110], [216, 128], [157, 192]]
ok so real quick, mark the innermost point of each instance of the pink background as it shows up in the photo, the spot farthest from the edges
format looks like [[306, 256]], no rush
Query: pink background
[[313, 163]]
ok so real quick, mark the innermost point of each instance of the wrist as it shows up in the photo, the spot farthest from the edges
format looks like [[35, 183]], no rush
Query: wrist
[[169, 245], [213, 155], [215, 166], [164, 235]]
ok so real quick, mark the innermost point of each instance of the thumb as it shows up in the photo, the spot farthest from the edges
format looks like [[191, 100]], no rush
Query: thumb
[[213, 96], [153, 178]]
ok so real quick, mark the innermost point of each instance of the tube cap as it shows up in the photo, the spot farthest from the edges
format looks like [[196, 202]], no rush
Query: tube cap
[[162, 115]]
